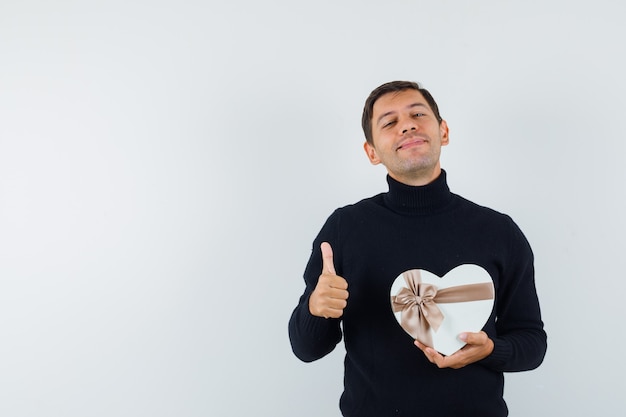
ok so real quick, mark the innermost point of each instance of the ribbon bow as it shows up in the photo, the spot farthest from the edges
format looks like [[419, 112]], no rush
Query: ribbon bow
[[418, 303]]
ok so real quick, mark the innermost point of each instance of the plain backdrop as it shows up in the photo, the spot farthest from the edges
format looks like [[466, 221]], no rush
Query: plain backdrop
[[165, 166]]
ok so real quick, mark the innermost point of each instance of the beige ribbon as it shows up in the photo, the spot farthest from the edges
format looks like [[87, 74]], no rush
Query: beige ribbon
[[418, 303]]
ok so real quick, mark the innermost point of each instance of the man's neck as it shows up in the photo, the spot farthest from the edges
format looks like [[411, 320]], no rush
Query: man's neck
[[420, 178]]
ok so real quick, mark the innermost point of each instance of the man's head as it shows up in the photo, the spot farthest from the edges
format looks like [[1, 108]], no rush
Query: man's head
[[392, 87], [404, 132]]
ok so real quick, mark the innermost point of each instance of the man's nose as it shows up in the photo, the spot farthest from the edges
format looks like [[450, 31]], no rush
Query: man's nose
[[407, 124]]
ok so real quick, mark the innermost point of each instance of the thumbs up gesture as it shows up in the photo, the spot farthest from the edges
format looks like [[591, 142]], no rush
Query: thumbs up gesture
[[330, 295]]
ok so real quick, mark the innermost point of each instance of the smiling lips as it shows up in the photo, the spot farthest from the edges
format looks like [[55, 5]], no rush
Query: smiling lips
[[412, 142]]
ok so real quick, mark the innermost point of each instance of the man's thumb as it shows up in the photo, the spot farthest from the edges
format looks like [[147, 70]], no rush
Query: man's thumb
[[328, 267]]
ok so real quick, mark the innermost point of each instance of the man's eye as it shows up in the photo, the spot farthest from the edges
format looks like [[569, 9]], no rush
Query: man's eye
[[388, 124], [419, 115]]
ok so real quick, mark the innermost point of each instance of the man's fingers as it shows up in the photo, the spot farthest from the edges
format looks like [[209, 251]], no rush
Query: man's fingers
[[328, 267], [328, 302], [474, 338], [333, 313], [478, 346], [333, 287], [338, 303]]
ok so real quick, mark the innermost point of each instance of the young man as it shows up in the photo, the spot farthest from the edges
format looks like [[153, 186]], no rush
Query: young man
[[417, 224]]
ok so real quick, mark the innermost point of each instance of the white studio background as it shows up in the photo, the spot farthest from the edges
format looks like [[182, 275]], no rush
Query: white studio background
[[165, 166]]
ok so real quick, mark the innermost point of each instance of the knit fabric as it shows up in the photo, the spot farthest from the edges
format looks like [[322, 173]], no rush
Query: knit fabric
[[433, 229]]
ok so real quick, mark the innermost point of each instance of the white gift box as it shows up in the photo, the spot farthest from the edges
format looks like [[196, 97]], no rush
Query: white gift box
[[435, 310]]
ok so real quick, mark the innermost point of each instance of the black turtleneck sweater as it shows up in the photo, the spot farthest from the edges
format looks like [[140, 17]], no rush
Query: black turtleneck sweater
[[429, 228]]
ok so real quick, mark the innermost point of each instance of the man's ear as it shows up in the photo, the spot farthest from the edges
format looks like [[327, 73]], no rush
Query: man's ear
[[371, 153], [444, 131]]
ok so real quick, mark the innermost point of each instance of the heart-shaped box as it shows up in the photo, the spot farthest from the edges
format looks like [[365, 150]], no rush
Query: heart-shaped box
[[435, 310]]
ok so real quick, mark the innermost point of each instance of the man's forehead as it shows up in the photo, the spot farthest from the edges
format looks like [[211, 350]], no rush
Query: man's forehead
[[389, 103], [407, 97]]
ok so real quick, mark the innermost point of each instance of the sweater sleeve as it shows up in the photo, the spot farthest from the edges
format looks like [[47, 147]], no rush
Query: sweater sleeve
[[520, 342], [314, 337]]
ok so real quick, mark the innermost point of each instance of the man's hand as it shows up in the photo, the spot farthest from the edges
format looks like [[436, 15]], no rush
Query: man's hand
[[330, 294], [478, 346]]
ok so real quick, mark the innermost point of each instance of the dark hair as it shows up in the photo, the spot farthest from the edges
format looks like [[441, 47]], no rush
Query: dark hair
[[392, 87]]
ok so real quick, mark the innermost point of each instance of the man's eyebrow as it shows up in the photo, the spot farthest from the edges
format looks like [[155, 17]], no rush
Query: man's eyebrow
[[382, 116], [417, 105], [410, 106]]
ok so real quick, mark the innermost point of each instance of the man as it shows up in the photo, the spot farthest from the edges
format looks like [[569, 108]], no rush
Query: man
[[417, 224]]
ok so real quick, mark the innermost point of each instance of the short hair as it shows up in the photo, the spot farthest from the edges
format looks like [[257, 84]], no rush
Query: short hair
[[392, 87]]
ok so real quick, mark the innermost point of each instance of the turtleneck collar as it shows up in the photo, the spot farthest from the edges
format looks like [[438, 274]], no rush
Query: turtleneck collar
[[408, 199]]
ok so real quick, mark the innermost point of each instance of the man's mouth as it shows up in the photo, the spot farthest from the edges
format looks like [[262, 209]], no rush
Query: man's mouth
[[412, 142]]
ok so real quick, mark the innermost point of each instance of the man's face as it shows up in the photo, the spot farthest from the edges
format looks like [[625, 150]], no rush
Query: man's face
[[407, 138]]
